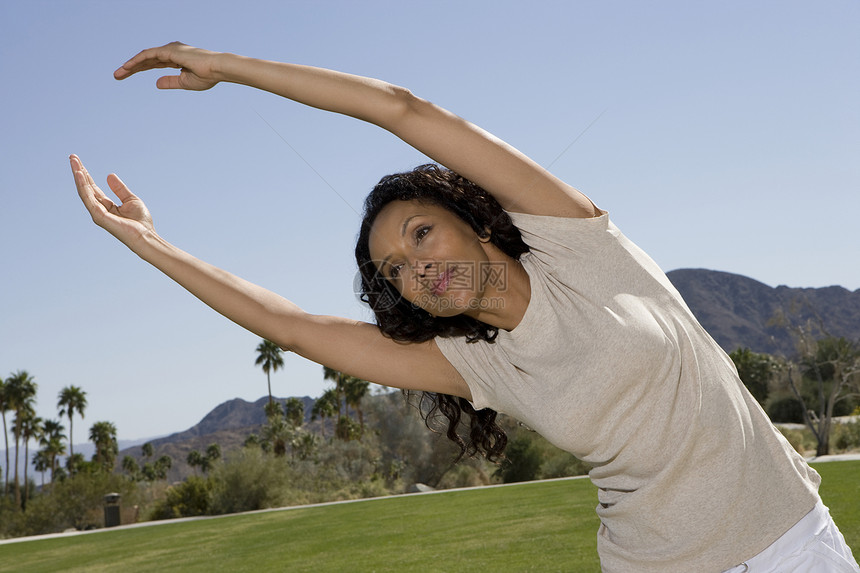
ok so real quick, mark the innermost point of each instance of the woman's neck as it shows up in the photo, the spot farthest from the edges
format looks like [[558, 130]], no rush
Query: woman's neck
[[506, 294]]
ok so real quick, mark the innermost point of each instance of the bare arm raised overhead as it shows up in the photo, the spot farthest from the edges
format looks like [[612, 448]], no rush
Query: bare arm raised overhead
[[517, 182], [350, 346]]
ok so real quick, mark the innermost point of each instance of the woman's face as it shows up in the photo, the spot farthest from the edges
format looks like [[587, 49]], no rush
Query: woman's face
[[431, 256]]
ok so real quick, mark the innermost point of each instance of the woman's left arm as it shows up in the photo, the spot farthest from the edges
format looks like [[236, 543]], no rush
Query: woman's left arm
[[517, 182]]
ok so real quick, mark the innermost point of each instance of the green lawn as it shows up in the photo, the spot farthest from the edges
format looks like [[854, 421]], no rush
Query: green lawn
[[547, 526], [840, 490]]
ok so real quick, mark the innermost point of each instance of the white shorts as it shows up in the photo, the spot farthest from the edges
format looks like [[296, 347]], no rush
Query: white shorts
[[813, 545]]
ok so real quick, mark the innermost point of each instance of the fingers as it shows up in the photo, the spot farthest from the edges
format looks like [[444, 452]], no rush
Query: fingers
[[148, 59], [83, 180], [85, 192], [86, 179], [75, 163], [94, 199]]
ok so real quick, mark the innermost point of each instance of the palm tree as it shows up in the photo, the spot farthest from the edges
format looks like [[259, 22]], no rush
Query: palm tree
[[355, 389], [74, 463], [277, 433], [269, 357], [349, 389], [5, 406], [42, 463], [129, 466], [162, 464], [325, 407], [195, 460], [337, 377], [273, 410], [54, 448], [72, 399], [51, 441], [295, 412], [213, 452], [30, 428], [21, 393], [147, 450], [103, 435]]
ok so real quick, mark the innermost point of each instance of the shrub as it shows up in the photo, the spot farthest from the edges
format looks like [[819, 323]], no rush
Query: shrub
[[845, 437], [786, 410], [75, 502], [522, 461], [190, 498], [250, 481], [351, 461], [471, 473], [11, 518]]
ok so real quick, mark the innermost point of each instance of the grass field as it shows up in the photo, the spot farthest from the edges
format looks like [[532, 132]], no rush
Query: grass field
[[543, 526]]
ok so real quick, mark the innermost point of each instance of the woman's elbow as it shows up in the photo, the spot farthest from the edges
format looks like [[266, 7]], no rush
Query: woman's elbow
[[404, 106]]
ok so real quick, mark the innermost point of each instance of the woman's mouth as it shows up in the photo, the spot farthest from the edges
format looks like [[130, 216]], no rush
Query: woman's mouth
[[441, 283]]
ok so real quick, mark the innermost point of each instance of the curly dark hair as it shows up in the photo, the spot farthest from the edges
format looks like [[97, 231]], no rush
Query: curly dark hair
[[402, 321]]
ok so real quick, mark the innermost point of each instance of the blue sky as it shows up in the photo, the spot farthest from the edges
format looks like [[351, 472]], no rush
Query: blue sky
[[727, 136]]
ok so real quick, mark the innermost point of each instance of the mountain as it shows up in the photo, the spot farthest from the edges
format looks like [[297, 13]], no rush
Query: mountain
[[742, 312], [233, 414], [227, 425]]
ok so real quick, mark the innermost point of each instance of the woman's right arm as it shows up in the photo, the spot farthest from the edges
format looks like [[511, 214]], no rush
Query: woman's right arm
[[367, 99], [351, 346]]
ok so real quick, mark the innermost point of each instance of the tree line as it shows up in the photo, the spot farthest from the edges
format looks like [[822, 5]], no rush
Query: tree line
[[18, 397]]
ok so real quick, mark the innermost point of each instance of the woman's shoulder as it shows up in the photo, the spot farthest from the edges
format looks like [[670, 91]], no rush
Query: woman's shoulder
[[566, 237]]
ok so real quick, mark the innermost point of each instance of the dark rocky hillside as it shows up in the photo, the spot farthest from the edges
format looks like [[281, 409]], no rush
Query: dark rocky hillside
[[235, 414], [741, 312], [228, 425]]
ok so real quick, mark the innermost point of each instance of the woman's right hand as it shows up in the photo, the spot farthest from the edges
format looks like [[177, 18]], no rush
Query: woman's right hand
[[130, 222], [197, 66]]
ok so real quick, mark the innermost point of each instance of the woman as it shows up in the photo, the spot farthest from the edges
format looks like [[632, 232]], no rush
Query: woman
[[497, 285]]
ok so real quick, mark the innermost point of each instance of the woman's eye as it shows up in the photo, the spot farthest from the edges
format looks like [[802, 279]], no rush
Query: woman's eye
[[394, 272], [420, 232]]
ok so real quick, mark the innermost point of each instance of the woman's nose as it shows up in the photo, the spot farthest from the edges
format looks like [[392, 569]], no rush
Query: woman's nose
[[421, 268]]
